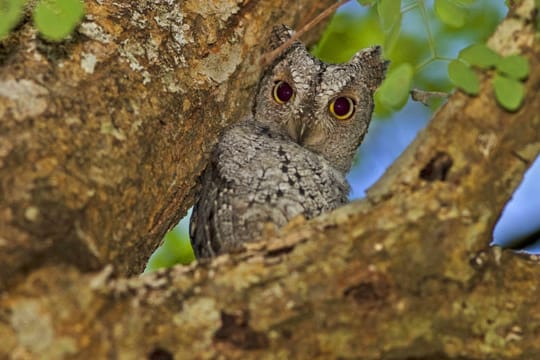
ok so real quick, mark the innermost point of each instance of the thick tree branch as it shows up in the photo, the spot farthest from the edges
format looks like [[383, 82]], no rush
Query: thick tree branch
[[406, 273]]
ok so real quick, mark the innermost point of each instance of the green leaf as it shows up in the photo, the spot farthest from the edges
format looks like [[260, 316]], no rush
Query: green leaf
[[479, 55], [367, 2], [508, 92], [395, 89], [515, 66], [176, 249], [56, 19], [450, 13], [391, 37], [463, 77], [389, 13], [10, 13]]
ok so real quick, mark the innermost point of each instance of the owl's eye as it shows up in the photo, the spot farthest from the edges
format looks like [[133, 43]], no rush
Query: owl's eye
[[282, 92], [342, 108]]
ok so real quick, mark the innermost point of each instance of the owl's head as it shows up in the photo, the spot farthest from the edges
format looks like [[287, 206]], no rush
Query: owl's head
[[325, 108]]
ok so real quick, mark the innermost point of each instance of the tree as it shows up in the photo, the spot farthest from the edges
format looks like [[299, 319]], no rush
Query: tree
[[102, 138]]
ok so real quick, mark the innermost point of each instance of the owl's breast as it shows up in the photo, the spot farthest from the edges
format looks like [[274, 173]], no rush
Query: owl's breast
[[272, 179]]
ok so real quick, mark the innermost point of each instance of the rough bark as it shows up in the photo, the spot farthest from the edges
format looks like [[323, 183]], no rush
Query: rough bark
[[406, 273]]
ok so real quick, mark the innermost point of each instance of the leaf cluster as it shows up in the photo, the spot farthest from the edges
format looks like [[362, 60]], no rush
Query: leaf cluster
[[416, 54], [507, 83], [54, 19]]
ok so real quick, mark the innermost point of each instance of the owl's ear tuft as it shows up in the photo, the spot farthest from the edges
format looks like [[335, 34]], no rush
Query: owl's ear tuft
[[372, 66], [280, 34]]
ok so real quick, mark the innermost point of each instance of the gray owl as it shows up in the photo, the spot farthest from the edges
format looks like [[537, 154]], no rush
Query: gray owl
[[289, 157]]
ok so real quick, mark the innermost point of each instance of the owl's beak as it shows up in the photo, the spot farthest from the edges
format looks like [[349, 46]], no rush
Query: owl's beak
[[297, 131], [301, 134]]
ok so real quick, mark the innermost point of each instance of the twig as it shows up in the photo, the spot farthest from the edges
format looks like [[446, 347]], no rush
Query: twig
[[270, 56], [424, 96]]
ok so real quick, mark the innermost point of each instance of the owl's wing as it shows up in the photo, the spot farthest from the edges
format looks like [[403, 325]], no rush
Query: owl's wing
[[211, 220]]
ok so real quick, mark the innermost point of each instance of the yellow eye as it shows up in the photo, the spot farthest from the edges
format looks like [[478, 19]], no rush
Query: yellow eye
[[282, 92], [342, 108]]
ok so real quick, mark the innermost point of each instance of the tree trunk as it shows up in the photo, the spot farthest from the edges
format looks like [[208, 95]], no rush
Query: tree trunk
[[102, 138]]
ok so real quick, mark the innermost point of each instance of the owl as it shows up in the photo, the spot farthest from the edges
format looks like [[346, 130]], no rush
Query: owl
[[290, 156]]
